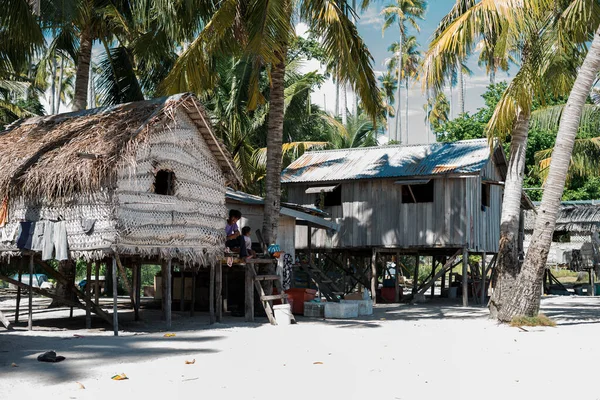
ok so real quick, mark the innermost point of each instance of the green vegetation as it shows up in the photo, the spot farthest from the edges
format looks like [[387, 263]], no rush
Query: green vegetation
[[539, 320]]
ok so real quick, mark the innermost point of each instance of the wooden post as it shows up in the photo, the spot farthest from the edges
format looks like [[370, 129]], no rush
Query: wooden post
[[249, 298], [483, 279], [397, 279], [465, 283], [416, 275], [97, 286], [374, 276], [219, 289], [182, 288], [193, 305], [137, 287], [211, 294], [21, 268], [433, 265], [30, 320], [226, 297], [168, 294], [443, 285], [163, 288], [115, 297], [88, 284]]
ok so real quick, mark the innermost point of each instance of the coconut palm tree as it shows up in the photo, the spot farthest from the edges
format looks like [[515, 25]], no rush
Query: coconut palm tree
[[539, 34], [389, 83], [437, 110], [262, 32], [526, 299], [402, 12]]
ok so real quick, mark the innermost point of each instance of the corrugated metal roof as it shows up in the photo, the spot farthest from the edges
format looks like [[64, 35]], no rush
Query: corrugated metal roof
[[247, 198], [571, 217], [463, 157]]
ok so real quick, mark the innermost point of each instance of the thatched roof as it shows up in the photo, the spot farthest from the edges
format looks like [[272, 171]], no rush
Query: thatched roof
[[81, 152], [582, 218]]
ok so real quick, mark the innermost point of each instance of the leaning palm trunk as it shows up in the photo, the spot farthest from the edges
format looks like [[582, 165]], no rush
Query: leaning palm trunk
[[406, 110], [461, 89], [274, 141], [60, 84], [524, 297], [507, 264], [83, 70], [344, 103], [398, 108]]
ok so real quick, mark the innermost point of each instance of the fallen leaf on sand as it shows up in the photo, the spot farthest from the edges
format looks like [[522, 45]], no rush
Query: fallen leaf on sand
[[383, 319], [119, 377], [78, 336], [318, 363], [522, 329], [80, 385], [13, 365], [191, 362], [169, 335]]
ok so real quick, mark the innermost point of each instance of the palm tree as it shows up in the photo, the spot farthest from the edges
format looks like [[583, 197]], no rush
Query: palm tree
[[528, 287], [389, 83], [263, 32], [359, 131], [549, 48], [402, 12], [437, 110]]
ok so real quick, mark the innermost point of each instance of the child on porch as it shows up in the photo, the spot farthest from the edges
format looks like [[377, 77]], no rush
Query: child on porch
[[246, 233], [234, 239]]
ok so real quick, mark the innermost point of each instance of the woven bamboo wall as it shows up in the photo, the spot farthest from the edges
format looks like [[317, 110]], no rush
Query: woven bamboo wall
[[187, 225]]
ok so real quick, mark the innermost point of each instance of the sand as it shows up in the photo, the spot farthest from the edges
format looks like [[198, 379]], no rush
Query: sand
[[429, 351]]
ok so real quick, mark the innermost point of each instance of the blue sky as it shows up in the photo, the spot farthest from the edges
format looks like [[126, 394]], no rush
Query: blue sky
[[370, 26]]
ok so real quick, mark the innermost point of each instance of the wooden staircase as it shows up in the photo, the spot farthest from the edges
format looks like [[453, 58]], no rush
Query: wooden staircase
[[267, 300], [323, 282]]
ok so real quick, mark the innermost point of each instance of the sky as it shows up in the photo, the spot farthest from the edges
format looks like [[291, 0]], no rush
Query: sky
[[370, 28]]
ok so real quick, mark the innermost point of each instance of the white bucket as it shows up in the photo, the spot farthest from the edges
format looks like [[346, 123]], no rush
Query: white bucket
[[283, 314]]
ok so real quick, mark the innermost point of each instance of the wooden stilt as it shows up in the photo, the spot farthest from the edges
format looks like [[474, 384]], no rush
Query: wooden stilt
[[30, 319], [97, 284], [219, 290], [168, 294], [163, 288], [226, 296], [211, 294], [465, 282], [125, 281], [249, 298], [374, 276], [137, 288], [5, 321], [182, 288], [443, 284], [433, 265], [483, 274], [88, 284], [21, 268], [397, 279], [416, 275], [193, 305], [115, 297]]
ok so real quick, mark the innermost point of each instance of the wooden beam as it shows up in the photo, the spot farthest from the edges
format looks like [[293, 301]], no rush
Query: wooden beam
[[483, 273], [219, 290], [249, 298], [115, 297], [465, 283], [5, 321], [137, 287], [168, 294], [40, 291], [182, 288], [97, 284], [30, 319], [433, 265], [88, 277], [450, 264], [416, 275], [397, 279], [211, 293], [193, 305]]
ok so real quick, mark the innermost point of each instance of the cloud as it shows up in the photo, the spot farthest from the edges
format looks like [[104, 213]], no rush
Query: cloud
[[371, 17]]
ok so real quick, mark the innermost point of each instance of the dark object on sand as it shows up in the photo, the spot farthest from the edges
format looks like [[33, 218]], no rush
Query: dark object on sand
[[50, 356]]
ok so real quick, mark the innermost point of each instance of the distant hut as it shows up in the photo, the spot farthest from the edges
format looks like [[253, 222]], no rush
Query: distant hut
[[144, 180], [441, 200]]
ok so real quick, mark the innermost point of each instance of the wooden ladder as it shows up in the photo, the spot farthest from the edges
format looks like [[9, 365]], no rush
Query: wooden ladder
[[323, 282], [265, 299]]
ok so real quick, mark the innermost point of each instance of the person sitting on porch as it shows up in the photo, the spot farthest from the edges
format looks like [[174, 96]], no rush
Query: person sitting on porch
[[235, 241], [246, 233]]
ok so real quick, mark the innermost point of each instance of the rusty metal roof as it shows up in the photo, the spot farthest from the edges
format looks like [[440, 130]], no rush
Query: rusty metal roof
[[462, 157]]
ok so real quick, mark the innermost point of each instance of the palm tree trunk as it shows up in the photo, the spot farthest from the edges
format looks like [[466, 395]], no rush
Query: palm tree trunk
[[461, 88], [451, 104], [60, 84], [507, 263], [53, 85], [66, 269], [525, 296], [83, 70], [337, 98], [274, 142], [398, 106], [344, 104], [406, 110]]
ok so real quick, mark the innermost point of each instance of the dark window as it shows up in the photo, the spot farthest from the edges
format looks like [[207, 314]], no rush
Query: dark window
[[485, 196], [164, 182], [329, 199], [561, 237], [418, 193]]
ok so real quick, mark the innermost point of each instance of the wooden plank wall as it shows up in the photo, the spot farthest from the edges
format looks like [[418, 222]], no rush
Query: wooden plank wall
[[372, 214]]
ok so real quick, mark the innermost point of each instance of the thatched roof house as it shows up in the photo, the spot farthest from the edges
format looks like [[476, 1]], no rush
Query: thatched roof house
[[146, 179], [577, 228]]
